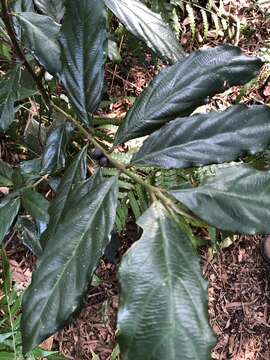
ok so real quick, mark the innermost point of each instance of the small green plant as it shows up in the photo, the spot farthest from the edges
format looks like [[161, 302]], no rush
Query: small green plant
[[163, 302], [10, 307]]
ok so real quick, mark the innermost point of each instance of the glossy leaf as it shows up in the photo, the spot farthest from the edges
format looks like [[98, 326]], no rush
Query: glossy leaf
[[41, 36], [36, 205], [84, 45], [54, 155], [35, 135], [29, 235], [8, 211], [178, 90], [163, 311], [23, 5], [67, 264], [6, 172], [207, 138], [237, 200], [147, 26], [27, 86], [8, 90], [53, 8], [75, 172]]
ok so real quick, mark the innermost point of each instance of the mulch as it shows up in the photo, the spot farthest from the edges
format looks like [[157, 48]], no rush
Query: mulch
[[239, 300]]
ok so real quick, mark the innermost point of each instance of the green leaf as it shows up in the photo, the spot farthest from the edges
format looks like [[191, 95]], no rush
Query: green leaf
[[147, 26], [53, 8], [163, 312], [207, 138], [8, 211], [41, 36], [27, 86], [6, 355], [29, 235], [54, 156], [34, 136], [68, 263], [113, 52], [36, 205], [6, 172], [8, 90], [178, 90], [83, 48], [41, 353], [74, 173], [236, 200]]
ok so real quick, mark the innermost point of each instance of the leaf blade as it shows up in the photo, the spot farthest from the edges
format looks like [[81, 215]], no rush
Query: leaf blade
[[156, 292], [75, 172], [54, 156], [41, 36], [178, 90], [53, 8], [36, 205], [8, 211], [236, 200], [147, 26], [205, 139], [8, 90], [67, 264], [83, 51]]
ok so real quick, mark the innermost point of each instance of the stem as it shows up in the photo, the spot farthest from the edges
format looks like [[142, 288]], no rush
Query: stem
[[19, 52], [166, 201], [106, 121]]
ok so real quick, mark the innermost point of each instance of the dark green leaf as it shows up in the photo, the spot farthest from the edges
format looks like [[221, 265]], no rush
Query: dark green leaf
[[84, 44], [8, 211], [75, 173], [207, 138], [54, 156], [147, 26], [41, 36], [237, 200], [178, 90], [8, 90], [36, 205], [67, 264], [31, 168], [27, 86], [6, 172], [34, 136], [29, 235], [53, 8], [163, 312]]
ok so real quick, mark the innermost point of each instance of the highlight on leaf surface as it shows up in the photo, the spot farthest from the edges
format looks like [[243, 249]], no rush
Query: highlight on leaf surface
[[163, 302], [181, 88]]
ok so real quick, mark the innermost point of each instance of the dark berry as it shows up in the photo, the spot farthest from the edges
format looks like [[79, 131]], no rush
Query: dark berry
[[96, 154], [103, 161]]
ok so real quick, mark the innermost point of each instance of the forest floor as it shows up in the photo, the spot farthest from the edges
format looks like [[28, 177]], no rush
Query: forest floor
[[239, 288]]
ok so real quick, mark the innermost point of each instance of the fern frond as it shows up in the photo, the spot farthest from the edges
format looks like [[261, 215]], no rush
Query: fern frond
[[205, 24], [192, 20]]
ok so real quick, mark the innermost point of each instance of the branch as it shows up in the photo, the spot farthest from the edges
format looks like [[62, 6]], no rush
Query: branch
[[159, 193]]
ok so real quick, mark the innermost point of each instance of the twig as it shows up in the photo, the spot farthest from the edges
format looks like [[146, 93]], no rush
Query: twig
[[159, 193]]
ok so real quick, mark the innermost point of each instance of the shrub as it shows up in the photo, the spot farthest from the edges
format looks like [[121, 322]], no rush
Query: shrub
[[163, 307]]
